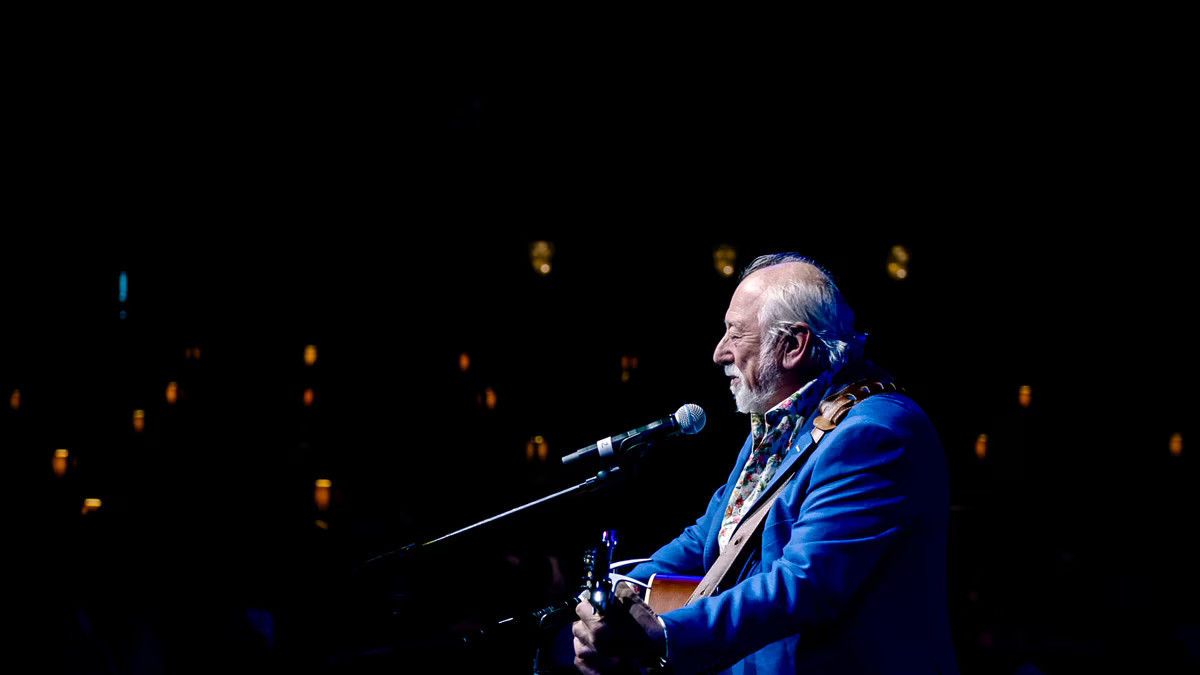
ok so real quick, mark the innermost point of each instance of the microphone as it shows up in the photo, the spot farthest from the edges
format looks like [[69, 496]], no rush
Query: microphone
[[689, 419]]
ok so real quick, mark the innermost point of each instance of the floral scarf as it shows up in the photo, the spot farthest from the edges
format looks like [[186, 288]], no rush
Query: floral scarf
[[773, 434]]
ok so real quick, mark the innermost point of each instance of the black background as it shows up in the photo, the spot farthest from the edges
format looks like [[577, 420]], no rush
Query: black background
[[379, 202]]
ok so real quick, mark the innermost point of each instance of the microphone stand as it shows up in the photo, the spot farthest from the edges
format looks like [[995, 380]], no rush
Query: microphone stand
[[542, 621], [602, 479]]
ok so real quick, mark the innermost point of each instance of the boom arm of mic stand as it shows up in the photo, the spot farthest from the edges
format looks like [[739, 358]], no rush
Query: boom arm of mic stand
[[602, 479]]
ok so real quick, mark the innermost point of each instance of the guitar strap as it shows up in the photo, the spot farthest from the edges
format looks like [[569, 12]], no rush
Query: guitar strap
[[832, 411]]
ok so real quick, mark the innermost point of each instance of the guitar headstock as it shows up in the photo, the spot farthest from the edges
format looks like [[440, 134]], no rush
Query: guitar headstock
[[599, 579]]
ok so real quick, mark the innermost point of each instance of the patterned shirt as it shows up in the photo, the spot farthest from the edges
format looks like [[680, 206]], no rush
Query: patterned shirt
[[773, 433]]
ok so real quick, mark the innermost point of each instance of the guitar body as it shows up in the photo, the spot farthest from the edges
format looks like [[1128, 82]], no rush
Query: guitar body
[[668, 591]]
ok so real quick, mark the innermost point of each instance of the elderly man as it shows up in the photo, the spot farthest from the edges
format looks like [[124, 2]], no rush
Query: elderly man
[[848, 572]]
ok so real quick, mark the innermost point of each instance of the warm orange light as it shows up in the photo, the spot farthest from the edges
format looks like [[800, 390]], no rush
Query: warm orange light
[[724, 258], [1176, 445], [540, 254], [628, 365], [192, 353], [310, 355], [464, 362], [90, 505], [1025, 396], [489, 398], [172, 392], [139, 420], [309, 396], [60, 462], [321, 494], [14, 401], [981, 446], [537, 448], [898, 263]]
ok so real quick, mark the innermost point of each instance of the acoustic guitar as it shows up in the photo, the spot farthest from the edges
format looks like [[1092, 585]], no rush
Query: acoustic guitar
[[663, 592], [668, 591]]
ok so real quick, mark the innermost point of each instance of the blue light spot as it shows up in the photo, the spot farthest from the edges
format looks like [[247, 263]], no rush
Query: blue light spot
[[122, 314], [124, 290]]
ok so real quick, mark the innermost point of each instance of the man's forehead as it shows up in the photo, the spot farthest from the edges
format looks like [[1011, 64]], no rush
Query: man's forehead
[[744, 304]]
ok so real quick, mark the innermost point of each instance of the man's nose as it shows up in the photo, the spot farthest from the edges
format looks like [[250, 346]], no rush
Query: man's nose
[[722, 354]]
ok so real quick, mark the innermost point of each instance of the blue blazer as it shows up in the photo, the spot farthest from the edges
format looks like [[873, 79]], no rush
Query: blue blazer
[[850, 575]]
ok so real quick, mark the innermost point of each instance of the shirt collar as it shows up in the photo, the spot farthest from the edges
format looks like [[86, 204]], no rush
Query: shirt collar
[[799, 404]]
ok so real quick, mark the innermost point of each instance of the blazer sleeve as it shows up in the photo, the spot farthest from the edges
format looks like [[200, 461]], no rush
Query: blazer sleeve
[[685, 555], [863, 495]]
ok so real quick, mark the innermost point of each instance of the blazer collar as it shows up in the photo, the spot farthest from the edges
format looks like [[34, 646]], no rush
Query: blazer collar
[[801, 446], [803, 441]]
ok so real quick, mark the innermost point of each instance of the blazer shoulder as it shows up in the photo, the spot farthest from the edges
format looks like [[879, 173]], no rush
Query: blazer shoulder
[[892, 409], [891, 419]]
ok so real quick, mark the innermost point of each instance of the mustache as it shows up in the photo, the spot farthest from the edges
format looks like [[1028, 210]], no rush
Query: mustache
[[732, 371]]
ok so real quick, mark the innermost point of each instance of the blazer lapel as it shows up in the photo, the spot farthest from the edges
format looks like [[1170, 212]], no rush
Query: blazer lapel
[[797, 452], [804, 440]]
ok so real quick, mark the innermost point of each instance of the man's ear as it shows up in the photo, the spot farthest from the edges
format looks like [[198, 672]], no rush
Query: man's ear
[[796, 347]]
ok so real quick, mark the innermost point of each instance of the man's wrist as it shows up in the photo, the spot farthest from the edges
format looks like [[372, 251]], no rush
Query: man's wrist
[[662, 659], [651, 625]]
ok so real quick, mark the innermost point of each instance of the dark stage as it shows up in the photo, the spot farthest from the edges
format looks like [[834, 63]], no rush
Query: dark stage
[[1041, 253]]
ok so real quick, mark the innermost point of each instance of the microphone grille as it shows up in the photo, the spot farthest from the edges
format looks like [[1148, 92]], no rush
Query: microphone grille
[[690, 418]]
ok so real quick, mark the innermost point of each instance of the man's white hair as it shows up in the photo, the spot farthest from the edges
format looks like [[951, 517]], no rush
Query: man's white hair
[[815, 301]]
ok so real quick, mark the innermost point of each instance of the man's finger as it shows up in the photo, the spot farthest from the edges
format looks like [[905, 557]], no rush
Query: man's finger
[[583, 635], [585, 610], [587, 661], [584, 668]]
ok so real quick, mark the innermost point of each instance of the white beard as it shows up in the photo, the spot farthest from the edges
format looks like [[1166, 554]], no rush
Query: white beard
[[755, 400]]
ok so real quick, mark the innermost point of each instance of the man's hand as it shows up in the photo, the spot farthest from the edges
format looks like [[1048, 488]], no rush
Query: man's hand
[[630, 636], [592, 641]]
